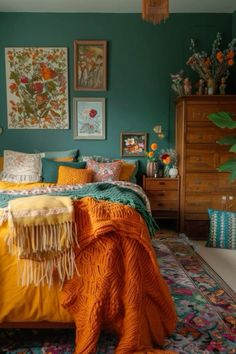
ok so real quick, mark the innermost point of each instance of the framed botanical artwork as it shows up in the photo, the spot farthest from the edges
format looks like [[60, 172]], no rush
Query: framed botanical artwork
[[90, 65], [37, 88], [133, 144], [89, 118]]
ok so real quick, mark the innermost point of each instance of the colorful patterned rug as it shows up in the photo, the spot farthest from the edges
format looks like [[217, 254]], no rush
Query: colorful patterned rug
[[206, 309]]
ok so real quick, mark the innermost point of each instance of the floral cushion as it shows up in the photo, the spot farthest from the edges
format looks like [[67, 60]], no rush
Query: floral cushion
[[222, 229], [97, 158], [21, 167], [105, 171], [70, 175]]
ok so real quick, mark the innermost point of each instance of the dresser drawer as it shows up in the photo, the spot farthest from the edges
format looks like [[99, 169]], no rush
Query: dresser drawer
[[206, 158], [209, 135], [209, 182], [197, 114], [200, 203], [154, 184]]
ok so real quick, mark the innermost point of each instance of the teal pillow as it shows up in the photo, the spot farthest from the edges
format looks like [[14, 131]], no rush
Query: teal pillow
[[222, 229], [60, 154], [50, 168]]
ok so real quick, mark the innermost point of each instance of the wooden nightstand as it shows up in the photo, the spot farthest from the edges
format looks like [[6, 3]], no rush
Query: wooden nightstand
[[163, 194]]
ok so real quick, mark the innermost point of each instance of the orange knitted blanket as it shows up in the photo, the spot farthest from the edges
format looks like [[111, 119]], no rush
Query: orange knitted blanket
[[120, 288]]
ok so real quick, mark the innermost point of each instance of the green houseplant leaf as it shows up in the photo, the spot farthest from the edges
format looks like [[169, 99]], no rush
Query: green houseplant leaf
[[228, 140], [233, 148], [224, 120]]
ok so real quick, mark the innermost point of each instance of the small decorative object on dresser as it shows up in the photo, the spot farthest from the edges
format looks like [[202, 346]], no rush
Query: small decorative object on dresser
[[173, 172], [187, 87], [163, 194]]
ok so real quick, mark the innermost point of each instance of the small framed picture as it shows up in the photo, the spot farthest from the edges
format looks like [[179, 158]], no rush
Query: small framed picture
[[89, 118], [133, 144], [90, 65]]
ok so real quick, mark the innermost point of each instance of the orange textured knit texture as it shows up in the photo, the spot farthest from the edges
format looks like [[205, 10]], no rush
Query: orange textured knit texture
[[120, 288]]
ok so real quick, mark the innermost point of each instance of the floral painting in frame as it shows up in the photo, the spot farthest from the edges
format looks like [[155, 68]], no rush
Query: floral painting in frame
[[133, 144], [90, 65], [37, 88], [89, 118]]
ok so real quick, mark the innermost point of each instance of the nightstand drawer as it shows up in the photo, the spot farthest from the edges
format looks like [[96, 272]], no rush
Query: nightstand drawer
[[157, 204], [163, 200], [160, 184]]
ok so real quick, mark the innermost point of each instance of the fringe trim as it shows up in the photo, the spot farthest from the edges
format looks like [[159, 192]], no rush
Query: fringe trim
[[3, 215], [8, 177], [40, 249], [40, 241], [155, 11], [41, 273]]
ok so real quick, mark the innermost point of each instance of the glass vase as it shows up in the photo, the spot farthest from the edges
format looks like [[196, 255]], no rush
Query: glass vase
[[166, 171]]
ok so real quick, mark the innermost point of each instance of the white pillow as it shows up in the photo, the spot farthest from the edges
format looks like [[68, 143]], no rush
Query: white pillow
[[21, 167]]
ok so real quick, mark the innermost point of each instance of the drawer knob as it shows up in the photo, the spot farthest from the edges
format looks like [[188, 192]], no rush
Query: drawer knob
[[160, 194], [162, 183]]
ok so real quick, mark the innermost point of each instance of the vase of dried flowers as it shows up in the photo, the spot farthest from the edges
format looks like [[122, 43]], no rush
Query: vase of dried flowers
[[212, 67]]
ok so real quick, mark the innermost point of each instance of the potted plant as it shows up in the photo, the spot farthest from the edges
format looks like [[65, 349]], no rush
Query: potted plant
[[225, 120]]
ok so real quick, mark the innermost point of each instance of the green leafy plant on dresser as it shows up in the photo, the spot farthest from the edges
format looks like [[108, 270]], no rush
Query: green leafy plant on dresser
[[225, 120]]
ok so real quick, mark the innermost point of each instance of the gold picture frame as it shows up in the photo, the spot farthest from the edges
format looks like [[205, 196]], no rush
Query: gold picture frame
[[90, 65]]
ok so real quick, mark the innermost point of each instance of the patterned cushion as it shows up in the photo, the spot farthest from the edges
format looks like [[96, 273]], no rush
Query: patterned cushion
[[21, 167], [107, 171], [50, 168], [97, 158], [70, 175], [222, 229]]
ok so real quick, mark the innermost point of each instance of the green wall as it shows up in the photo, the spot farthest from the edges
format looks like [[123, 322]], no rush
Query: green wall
[[234, 24], [141, 57]]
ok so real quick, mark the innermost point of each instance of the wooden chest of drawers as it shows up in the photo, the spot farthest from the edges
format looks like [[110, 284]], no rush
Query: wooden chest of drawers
[[163, 194], [202, 187]]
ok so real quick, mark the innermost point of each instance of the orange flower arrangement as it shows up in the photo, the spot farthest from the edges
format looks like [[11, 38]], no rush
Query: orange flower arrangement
[[217, 64], [151, 154], [166, 159]]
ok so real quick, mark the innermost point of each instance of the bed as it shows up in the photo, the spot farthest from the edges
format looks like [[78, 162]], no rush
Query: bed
[[116, 284]]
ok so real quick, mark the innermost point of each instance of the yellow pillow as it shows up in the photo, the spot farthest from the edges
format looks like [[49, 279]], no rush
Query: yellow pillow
[[64, 159], [70, 175], [126, 172], [1, 163]]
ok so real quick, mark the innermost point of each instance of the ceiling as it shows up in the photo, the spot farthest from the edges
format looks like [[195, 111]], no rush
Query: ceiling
[[115, 6]]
